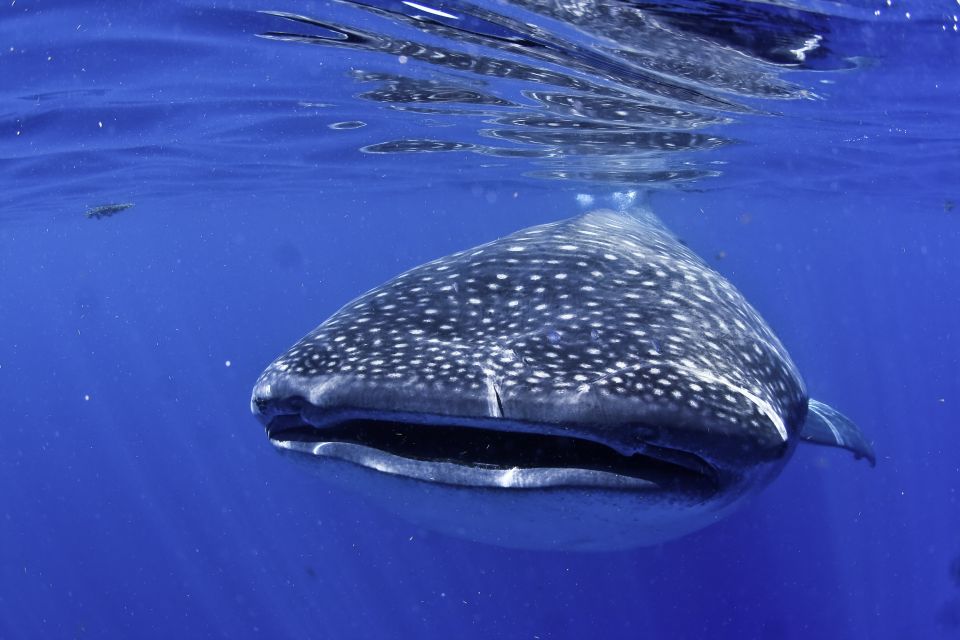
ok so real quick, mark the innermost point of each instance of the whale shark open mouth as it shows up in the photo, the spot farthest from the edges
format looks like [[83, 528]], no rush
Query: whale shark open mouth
[[443, 449]]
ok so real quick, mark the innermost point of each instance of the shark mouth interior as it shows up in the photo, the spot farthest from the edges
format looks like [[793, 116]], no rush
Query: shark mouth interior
[[456, 453]]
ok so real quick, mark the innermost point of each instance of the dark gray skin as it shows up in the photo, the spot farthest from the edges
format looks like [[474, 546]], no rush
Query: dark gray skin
[[589, 383]]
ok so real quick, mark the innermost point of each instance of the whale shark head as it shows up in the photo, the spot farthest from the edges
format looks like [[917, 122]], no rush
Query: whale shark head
[[589, 383]]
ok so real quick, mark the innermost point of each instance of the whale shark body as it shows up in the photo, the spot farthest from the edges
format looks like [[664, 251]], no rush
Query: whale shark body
[[585, 384]]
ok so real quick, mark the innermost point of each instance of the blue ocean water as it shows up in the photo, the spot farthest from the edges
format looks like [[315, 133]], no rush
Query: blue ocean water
[[281, 163]]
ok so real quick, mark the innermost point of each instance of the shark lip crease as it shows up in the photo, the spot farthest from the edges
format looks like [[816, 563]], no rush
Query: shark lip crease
[[487, 453]]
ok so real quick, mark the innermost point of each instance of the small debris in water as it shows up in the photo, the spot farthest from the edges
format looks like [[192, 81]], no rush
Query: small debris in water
[[955, 572], [107, 210], [351, 124], [948, 616], [948, 205]]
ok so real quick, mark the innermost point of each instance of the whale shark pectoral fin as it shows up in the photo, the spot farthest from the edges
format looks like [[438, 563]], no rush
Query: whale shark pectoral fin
[[827, 426]]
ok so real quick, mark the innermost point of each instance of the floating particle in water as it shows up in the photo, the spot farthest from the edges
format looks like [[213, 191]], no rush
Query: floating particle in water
[[287, 255], [948, 205], [351, 124], [948, 616], [721, 254], [955, 571], [107, 210]]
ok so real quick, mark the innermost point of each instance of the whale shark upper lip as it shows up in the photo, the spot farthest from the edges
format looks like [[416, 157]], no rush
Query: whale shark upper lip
[[494, 453]]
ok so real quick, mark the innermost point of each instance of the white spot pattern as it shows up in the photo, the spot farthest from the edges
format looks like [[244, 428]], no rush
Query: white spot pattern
[[618, 319]]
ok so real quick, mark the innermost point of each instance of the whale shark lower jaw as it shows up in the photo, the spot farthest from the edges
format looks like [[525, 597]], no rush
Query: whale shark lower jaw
[[503, 482]]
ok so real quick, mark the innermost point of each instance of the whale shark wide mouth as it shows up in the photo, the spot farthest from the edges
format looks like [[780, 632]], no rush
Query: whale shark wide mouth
[[443, 449]]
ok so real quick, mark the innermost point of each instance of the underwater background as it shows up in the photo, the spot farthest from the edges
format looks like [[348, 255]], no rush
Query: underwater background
[[283, 157]]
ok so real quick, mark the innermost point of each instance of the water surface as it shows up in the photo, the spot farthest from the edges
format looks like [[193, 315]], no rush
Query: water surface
[[282, 158]]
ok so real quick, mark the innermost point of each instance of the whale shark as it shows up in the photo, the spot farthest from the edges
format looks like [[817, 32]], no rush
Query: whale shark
[[585, 384]]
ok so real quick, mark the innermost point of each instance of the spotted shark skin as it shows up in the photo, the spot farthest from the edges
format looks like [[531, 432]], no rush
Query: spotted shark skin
[[603, 328]]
